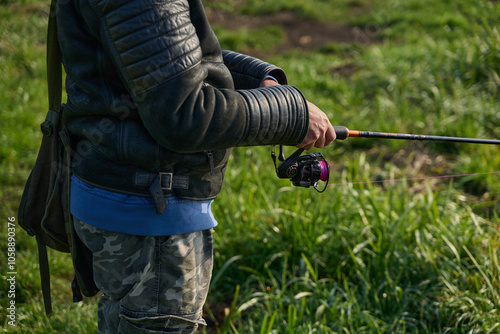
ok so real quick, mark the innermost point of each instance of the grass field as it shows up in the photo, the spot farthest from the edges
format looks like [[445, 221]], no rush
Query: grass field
[[418, 254]]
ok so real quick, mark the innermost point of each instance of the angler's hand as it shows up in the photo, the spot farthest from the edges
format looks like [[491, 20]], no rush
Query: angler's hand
[[321, 132]]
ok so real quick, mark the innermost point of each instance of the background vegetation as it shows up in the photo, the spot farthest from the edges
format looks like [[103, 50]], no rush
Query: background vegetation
[[411, 256]]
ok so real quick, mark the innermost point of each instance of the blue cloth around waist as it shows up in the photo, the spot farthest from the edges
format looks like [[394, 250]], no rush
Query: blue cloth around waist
[[137, 215]]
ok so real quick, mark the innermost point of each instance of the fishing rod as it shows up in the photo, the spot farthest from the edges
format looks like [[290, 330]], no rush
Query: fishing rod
[[307, 170], [344, 133]]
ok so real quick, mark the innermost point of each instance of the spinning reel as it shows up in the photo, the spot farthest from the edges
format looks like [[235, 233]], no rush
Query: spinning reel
[[303, 170]]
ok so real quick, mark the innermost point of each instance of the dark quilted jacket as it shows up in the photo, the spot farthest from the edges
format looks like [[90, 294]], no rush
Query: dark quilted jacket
[[152, 98]]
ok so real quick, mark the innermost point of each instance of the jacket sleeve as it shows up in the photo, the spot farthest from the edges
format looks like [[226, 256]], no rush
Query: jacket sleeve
[[249, 72], [159, 49]]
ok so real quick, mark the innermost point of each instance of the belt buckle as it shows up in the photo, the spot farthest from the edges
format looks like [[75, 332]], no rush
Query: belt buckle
[[169, 180]]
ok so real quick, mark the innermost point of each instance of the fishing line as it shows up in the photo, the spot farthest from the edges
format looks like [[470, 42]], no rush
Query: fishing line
[[344, 133], [411, 179]]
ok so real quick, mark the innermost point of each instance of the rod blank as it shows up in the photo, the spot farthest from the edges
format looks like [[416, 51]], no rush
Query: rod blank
[[344, 133]]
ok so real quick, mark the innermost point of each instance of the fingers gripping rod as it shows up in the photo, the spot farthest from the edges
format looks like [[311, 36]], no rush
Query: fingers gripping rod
[[344, 133]]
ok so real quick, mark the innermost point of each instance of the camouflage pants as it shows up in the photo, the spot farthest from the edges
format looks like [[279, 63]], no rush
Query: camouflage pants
[[150, 284]]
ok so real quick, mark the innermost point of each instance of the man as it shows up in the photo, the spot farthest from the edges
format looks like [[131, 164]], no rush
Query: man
[[154, 106]]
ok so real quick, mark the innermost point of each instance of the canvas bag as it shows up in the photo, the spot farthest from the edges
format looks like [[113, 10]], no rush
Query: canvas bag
[[44, 210]]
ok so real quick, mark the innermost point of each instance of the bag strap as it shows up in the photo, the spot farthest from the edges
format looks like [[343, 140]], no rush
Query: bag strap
[[54, 61], [54, 80], [43, 261]]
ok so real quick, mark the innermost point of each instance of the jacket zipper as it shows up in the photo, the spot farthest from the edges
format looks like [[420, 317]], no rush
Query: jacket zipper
[[210, 157]]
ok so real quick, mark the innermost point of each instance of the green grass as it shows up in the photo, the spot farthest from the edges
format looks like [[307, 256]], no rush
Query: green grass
[[263, 38], [416, 256], [323, 10]]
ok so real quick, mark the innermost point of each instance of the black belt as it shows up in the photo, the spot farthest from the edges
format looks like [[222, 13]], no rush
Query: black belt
[[167, 181], [160, 182]]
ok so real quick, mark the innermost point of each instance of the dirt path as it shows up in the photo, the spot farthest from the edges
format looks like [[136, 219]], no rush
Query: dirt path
[[299, 33]]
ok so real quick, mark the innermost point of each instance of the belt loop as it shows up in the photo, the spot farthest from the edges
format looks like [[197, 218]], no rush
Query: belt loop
[[158, 197]]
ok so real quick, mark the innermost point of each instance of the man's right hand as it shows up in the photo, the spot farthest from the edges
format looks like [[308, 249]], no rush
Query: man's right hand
[[321, 132]]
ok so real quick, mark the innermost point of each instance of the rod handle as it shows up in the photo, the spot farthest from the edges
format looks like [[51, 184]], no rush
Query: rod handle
[[342, 132]]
